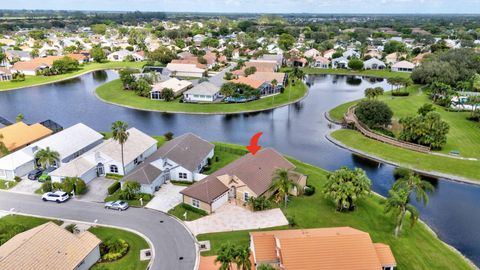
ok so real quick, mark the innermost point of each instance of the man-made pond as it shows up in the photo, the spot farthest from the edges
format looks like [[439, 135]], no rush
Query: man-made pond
[[297, 130]]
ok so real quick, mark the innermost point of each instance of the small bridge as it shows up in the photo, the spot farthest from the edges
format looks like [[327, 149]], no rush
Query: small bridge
[[351, 118]]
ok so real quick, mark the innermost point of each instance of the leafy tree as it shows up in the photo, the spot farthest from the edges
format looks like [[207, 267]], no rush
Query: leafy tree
[[99, 29], [142, 87], [34, 53], [98, 54], [120, 134], [130, 190], [345, 187], [47, 157], [297, 73], [249, 71], [413, 183], [162, 55], [167, 94], [426, 108], [168, 136], [281, 185], [20, 117], [429, 130], [127, 79], [374, 113], [37, 34], [65, 65], [397, 203], [373, 93], [286, 41], [355, 64], [394, 46]]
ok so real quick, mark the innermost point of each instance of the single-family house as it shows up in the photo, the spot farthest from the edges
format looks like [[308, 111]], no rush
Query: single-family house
[[5, 74], [186, 70], [181, 159], [329, 53], [278, 58], [70, 143], [263, 86], [393, 58], [123, 55], [403, 66], [35, 65], [246, 177], [81, 58], [106, 158], [374, 54], [16, 55], [260, 66], [297, 62], [374, 63], [267, 78], [19, 135], [311, 53], [50, 247], [177, 86], [341, 62], [320, 248], [351, 53], [203, 92], [320, 62]]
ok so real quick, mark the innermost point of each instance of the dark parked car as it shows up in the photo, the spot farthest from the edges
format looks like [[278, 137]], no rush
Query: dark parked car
[[33, 175]]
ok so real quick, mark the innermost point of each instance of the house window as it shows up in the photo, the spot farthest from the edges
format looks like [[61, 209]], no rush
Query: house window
[[113, 169], [196, 203], [182, 175], [246, 196]]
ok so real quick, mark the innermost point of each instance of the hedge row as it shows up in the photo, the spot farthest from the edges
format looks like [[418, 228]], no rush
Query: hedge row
[[114, 187], [194, 209]]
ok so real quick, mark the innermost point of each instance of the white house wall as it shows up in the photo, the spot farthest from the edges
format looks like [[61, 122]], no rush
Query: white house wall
[[174, 174], [90, 260]]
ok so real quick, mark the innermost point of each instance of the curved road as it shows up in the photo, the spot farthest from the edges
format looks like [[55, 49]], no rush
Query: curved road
[[170, 239]]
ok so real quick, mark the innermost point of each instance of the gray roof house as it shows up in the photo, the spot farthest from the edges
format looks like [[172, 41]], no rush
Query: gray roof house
[[203, 92], [341, 62], [374, 63], [179, 159]]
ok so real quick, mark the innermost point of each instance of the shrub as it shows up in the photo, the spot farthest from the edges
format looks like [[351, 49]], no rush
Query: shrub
[[113, 176], [384, 131], [47, 186], [114, 187], [291, 221], [145, 196], [57, 186], [260, 203], [113, 249], [181, 183], [193, 209], [71, 228], [80, 186], [400, 93], [18, 179], [309, 190], [168, 136]]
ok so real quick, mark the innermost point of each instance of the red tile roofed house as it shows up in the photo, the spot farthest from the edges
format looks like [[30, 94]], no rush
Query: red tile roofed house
[[261, 66], [5, 74], [81, 58], [320, 62], [248, 176], [319, 249], [33, 66]]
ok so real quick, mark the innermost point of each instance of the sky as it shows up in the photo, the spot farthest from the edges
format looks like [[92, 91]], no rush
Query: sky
[[255, 6]]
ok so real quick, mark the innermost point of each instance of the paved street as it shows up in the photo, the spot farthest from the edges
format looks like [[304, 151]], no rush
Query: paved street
[[169, 237], [217, 79]]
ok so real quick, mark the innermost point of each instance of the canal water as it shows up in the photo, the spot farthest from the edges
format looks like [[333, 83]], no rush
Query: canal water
[[297, 130]]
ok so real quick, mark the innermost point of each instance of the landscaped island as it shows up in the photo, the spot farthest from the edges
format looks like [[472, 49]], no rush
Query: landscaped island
[[342, 71], [114, 93], [85, 68], [416, 248]]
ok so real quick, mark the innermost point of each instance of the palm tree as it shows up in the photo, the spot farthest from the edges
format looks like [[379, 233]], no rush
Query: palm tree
[[281, 185], [274, 84], [3, 147], [243, 258], [414, 183], [226, 255], [120, 134], [397, 202], [47, 157]]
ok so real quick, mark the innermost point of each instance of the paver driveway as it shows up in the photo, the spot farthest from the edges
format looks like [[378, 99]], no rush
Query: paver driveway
[[97, 190], [230, 217], [166, 198]]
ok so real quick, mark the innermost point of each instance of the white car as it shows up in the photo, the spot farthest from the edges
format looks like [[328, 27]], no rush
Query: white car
[[57, 196]]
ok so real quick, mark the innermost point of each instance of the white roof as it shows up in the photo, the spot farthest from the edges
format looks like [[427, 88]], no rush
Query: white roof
[[184, 67], [175, 84], [16, 159], [373, 60], [403, 64], [204, 88], [108, 151], [70, 140]]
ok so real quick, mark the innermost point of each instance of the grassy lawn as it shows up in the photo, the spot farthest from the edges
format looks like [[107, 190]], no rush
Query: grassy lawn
[[224, 158], [131, 261], [372, 73], [179, 210], [113, 92], [14, 224], [403, 157], [464, 135], [34, 80], [416, 248], [4, 183]]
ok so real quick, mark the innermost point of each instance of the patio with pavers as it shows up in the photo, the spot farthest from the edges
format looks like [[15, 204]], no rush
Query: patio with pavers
[[231, 217], [166, 198]]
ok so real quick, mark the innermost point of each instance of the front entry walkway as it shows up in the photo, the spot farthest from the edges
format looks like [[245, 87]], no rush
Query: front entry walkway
[[230, 217], [166, 198]]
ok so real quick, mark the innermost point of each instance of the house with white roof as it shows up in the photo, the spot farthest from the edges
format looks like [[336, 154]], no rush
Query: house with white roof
[[177, 86], [351, 53], [311, 53], [107, 158], [374, 63], [70, 143], [203, 92], [403, 66], [186, 70], [341, 62]]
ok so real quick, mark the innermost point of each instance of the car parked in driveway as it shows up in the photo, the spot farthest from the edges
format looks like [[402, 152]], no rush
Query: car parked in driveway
[[33, 175], [117, 205], [44, 176], [57, 196]]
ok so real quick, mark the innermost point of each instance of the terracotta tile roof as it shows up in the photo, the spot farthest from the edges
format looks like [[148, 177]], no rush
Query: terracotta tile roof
[[248, 81], [36, 63], [77, 56], [268, 76], [20, 134], [60, 249], [255, 171], [324, 248], [189, 61], [322, 59]]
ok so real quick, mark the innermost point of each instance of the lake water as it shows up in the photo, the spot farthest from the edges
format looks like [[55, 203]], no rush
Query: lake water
[[297, 130]]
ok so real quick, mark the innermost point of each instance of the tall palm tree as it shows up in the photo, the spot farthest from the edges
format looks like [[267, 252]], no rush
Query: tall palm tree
[[414, 183], [120, 134], [274, 84], [243, 258], [281, 185], [397, 202], [226, 256], [47, 157]]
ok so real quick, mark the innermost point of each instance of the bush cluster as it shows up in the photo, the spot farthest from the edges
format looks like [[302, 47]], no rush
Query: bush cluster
[[113, 187], [113, 249]]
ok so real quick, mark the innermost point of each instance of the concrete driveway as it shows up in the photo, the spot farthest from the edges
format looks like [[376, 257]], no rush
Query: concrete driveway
[[166, 198], [97, 190], [230, 217], [26, 186]]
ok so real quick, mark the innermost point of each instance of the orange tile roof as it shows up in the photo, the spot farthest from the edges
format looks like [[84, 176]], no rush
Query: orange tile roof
[[245, 80], [36, 63], [20, 134], [189, 61], [325, 248], [77, 56]]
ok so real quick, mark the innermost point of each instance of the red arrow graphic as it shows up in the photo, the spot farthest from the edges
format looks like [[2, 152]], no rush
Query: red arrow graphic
[[254, 147]]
